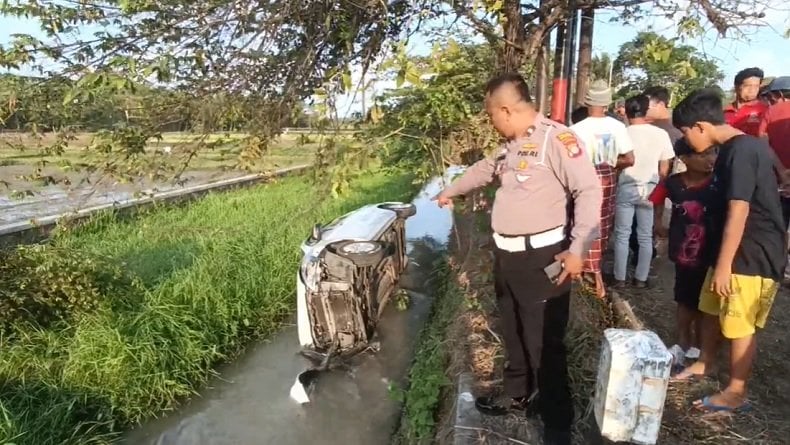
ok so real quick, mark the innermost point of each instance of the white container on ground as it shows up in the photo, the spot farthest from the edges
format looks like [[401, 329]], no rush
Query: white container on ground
[[633, 375]]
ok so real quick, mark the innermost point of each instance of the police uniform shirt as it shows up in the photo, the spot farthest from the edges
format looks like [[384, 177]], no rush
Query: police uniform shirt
[[538, 174]]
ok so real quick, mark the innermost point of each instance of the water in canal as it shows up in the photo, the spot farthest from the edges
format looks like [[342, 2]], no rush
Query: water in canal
[[249, 404]]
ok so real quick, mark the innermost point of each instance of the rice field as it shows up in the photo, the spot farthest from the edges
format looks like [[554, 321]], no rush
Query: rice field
[[288, 149], [211, 276]]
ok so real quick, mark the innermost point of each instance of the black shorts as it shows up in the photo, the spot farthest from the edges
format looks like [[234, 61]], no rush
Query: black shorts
[[688, 285]]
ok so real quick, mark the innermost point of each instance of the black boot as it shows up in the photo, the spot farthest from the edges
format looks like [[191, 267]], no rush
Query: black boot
[[501, 405], [556, 437]]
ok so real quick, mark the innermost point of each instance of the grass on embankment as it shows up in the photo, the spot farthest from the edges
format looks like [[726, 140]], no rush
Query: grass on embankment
[[428, 379], [216, 273]]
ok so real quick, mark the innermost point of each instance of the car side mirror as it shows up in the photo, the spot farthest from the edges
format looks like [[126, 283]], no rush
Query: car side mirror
[[316, 233]]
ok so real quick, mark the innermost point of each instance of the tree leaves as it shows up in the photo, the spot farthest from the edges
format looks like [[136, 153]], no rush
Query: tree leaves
[[268, 56], [650, 59]]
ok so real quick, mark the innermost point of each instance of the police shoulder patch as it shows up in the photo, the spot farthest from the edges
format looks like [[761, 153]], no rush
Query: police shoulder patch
[[571, 144]]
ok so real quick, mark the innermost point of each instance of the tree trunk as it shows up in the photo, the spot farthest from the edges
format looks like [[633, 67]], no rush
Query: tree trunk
[[583, 72], [542, 77], [542, 72], [511, 54]]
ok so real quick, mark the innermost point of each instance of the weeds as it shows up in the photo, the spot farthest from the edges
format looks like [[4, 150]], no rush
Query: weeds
[[212, 276], [44, 285], [428, 377]]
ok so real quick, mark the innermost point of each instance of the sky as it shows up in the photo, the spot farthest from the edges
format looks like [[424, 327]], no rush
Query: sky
[[764, 47]]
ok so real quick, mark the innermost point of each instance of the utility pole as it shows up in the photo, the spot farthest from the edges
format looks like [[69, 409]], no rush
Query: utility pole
[[364, 89], [583, 72], [560, 83], [562, 98], [611, 71], [570, 53]]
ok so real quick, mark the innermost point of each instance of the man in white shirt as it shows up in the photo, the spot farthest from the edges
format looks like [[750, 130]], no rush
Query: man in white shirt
[[652, 154], [609, 148], [660, 115]]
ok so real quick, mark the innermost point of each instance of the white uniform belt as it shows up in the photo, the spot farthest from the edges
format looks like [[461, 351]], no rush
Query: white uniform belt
[[520, 243]]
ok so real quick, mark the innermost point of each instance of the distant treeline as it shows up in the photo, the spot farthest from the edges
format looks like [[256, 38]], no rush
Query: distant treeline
[[46, 104]]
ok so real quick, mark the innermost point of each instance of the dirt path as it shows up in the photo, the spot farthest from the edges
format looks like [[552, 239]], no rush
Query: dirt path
[[476, 344], [477, 348], [767, 423]]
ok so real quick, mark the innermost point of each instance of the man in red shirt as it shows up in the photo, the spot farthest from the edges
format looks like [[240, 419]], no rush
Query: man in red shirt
[[775, 126], [747, 111]]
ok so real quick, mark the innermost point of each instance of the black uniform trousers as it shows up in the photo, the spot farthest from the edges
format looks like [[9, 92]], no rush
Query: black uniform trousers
[[534, 315], [786, 210]]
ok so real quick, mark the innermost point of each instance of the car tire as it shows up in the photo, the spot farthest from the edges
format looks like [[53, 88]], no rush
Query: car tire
[[402, 209], [361, 253]]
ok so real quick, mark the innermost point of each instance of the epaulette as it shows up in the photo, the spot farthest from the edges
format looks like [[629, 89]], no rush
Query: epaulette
[[570, 142]]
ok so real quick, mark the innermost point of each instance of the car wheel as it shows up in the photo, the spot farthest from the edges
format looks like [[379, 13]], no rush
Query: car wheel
[[402, 209], [361, 253]]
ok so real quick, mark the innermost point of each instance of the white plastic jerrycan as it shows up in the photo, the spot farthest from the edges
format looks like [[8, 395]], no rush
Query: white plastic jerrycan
[[633, 375]]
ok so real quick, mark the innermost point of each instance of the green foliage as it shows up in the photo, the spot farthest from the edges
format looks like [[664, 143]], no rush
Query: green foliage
[[402, 300], [217, 63], [651, 59], [429, 124], [428, 377], [43, 285], [304, 139], [215, 274], [600, 67]]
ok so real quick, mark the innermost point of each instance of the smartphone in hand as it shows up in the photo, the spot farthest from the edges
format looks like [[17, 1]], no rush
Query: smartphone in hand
[[553, 271]]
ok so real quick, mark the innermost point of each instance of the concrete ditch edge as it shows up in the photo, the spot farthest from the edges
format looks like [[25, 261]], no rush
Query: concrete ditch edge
[[40, 227], [467, 418], [623, 311]]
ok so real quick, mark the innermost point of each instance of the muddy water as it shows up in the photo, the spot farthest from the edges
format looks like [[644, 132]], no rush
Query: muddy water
[[249, 404]]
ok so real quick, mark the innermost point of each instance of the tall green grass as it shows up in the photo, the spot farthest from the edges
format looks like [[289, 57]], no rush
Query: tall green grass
[[428, 378], [216, 274]]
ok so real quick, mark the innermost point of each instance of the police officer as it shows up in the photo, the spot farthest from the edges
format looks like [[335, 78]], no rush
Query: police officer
[[541, 170]]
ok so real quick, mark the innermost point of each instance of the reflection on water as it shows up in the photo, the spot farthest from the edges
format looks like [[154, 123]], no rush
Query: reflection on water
[[430, 220], [250, 403]]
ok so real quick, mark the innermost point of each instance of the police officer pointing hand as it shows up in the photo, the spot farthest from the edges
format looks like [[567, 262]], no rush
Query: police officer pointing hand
[[539, 247]]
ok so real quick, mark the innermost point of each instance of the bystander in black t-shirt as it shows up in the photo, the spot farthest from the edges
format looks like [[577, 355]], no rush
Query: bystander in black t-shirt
[[687, 228], [744, 172], [666, 125]]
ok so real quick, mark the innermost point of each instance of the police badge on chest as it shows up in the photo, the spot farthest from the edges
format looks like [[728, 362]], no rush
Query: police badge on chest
[[521, 169]]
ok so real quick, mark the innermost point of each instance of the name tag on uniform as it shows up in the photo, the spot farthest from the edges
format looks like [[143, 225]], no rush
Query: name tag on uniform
[[530, 149]]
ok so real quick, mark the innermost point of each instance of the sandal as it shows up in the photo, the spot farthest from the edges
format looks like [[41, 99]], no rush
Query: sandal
[[706, 405]]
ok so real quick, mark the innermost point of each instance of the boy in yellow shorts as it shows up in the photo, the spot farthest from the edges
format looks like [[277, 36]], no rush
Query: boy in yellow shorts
[[745, 244]]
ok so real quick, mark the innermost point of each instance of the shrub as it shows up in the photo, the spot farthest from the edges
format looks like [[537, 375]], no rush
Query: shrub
[[43, 285], [304, 139]]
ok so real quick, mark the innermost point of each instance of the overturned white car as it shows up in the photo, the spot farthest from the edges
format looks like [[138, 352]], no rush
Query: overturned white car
[[349, 271]]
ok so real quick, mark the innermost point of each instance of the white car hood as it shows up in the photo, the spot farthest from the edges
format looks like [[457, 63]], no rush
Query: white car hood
[[364, 224]]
